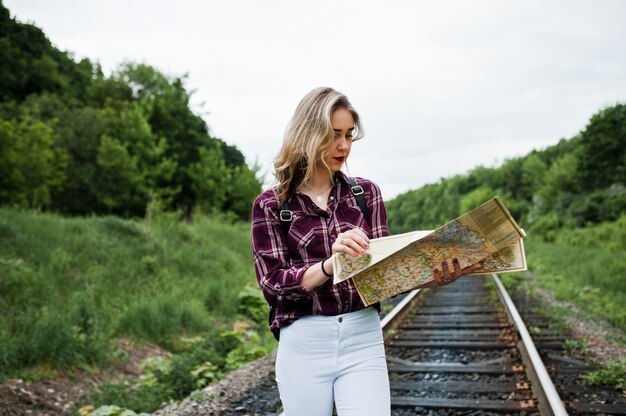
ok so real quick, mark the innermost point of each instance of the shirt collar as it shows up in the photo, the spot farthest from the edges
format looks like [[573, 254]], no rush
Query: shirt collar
[[342, 177]]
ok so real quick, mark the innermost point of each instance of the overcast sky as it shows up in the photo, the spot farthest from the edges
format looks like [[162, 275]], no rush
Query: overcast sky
[[441, 86]]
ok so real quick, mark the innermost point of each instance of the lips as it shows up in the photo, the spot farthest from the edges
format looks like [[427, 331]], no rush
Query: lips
[[340, 159]]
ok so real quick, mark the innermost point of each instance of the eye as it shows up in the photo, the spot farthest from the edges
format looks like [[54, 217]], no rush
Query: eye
[[349, 135]]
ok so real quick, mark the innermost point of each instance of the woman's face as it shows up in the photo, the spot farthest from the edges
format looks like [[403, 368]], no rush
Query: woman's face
[[343, 126]]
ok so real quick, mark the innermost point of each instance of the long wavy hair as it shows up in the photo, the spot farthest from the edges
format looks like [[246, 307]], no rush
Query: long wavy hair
[[308, 137]]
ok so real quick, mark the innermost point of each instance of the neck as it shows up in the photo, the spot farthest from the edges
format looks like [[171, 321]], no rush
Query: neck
[[321, 180]]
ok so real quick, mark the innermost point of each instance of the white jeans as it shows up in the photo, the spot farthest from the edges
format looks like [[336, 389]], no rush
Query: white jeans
[[340, 358]]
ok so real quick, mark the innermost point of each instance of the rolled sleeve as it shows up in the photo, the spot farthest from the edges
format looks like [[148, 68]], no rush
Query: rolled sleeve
[[279, 280]]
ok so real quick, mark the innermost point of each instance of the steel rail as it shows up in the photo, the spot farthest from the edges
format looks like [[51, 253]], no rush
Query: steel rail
[[390, 321], [551, 403]]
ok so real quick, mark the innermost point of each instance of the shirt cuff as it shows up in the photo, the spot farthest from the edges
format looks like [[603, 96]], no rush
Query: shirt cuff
[[296, 292]]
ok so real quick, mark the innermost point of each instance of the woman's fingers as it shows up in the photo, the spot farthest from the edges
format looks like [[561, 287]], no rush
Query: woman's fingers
[[471, 269], [353, 242], [445, 276], [351, 246], [439, 277], [446, 272]]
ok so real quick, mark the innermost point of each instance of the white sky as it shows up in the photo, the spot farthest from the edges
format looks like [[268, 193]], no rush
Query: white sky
[[441, 86]]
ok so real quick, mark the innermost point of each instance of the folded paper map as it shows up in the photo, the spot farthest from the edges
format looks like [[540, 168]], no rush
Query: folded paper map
[[392, 265]]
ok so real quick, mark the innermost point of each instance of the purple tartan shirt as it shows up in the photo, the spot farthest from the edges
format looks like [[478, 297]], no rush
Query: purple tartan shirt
[[280, 261]]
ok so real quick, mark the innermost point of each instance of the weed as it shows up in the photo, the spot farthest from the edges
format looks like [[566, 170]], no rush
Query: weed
[[611, 374], [572, 345], [198, 396]]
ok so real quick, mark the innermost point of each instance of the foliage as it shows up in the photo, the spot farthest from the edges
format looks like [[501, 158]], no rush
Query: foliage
[[613, 374], [248, 349], [572, 345], [106, 411], [206, 360], [601, 154], [31, 167], [252, 305], [588, 276], [71, 286], [575, 183], [75, 141], [570, 198], [475, 198]]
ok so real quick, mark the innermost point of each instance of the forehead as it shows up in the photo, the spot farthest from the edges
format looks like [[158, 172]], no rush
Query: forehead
[[341, 119]]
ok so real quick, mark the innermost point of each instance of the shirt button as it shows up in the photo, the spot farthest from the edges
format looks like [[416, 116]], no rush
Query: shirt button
[[340, 319], [331, 198]]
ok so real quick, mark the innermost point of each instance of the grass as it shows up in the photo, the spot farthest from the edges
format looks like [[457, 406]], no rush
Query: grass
[[584, 266], [591, 278], [69, 287]]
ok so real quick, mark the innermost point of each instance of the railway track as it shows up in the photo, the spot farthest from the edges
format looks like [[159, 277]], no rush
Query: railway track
[[463, 349], [458, 351]]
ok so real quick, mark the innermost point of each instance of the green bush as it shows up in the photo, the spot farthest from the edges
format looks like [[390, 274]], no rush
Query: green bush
[[207, 359], [135, 396], [252, 304]]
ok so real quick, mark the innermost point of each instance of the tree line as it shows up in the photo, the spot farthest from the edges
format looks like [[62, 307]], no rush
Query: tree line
[[575, 183], [78, 142]]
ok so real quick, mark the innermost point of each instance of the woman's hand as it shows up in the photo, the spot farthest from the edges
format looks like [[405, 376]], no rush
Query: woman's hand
[[353, 242], [445, 276]]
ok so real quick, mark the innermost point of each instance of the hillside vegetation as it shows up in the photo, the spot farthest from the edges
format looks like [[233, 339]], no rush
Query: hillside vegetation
[[571, 200], [121, 218], [71, 287], [78, 142]]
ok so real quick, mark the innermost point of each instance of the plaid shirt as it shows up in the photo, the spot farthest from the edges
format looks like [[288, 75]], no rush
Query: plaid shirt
[[280, 261]]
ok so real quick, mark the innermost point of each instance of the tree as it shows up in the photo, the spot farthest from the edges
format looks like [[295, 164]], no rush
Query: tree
[[31, 167], [602, 151], [132, 162], [475, 198], [106, 144], [209, 177], [29, 64], [79, 134], [244, 187]]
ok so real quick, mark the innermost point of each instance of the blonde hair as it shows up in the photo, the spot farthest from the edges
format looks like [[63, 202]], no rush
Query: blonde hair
[[308, 137]]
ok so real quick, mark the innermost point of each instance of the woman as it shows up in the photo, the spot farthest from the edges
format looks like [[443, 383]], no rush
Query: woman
[[331, 346]]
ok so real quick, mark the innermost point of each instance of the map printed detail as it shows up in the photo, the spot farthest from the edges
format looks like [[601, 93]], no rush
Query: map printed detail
[[487, 234]]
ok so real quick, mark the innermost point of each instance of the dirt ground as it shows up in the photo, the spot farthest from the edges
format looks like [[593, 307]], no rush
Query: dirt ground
[[59, 394]]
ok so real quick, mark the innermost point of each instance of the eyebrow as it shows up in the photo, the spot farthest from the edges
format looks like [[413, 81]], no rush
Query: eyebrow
[[339, 130]]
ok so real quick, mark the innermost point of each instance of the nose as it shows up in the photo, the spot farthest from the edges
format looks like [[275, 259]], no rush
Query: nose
[[343, 143]]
